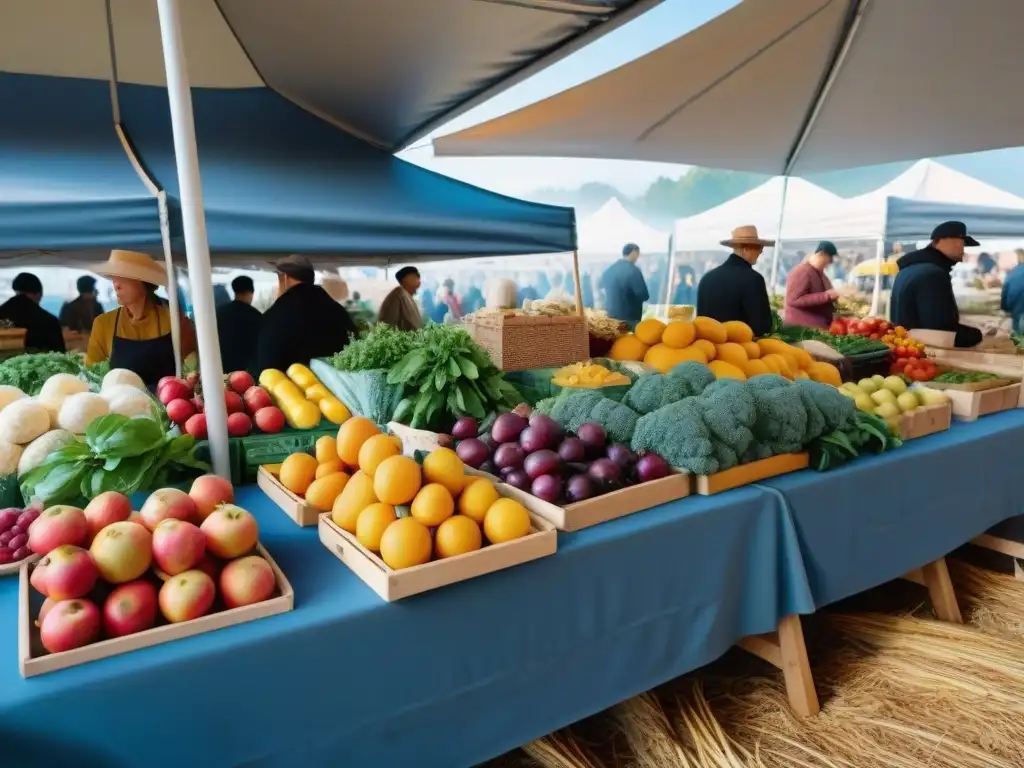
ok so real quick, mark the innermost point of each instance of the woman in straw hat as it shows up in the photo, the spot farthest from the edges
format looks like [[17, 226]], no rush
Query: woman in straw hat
[[733, 290], [137, 335]]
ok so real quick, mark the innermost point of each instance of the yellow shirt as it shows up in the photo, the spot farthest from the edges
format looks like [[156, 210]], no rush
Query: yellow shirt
[[155, 322]]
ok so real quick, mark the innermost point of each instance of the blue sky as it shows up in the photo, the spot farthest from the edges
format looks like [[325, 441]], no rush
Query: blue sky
[[519, 176]]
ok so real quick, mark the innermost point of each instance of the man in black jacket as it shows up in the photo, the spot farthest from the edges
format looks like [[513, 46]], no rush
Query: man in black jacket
[[42, 330], [304, 322], [733, 290], [238, 326], [922, 294]]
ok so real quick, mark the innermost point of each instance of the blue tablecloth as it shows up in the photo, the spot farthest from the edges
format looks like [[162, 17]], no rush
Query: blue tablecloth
[[873, 520]]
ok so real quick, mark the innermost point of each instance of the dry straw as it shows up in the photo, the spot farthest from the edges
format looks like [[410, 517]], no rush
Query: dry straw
[[561, 750], [991, 601]]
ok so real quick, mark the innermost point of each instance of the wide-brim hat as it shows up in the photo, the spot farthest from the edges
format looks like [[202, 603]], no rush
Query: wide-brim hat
[[746, 235], [132, 265]]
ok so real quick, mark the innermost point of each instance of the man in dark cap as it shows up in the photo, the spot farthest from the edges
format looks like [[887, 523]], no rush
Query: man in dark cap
[[304, 322], [43, 331], [399, 308], [922, 294], [77, 315], [238, 327], [624, 288], [810, 298]]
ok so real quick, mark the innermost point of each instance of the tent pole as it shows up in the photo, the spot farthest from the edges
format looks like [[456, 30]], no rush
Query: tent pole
[[576, 279], [172, 281], [671, 268], [876, 292], [197, 249], [777, 250]]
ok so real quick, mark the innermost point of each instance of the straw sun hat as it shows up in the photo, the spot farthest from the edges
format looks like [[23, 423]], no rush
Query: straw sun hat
[[132, 265], [746, 235]]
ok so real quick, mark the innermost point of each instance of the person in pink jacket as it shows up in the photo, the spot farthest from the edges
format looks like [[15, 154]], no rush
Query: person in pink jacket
[[810, 298]]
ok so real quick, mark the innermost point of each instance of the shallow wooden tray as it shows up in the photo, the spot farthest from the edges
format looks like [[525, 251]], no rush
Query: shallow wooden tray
[[291, 504], [12, 568], [394, 585], [34, 660], [971, 405], [755, 471], [926, 420]]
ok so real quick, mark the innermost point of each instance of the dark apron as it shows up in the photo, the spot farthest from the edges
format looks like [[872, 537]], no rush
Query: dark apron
[[151, 359]]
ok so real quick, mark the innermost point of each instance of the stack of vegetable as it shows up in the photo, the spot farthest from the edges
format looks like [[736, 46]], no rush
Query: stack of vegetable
[[848, 345], [29, 372]]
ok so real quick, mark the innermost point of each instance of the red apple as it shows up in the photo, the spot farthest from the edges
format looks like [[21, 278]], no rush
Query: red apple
[[180, 411], [270, 419], [70, 624], [109, 507], [196, 426], [44, 609], [240, 381], [211, 566], [208, 492], [247, 580], [69, 573], [186, 596], [176, 389], [239, 425], [233, 402], [256, 398], [166, 503], [130, 608], [56, 526], [230, 532], [38, 577], [177, 546], [122, 551]]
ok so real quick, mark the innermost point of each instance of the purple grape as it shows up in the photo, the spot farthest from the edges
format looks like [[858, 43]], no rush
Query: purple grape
[[27, 518], [8, 517], [21, 554], [5, 537], [18, 542], [17, 530], [6, 556]]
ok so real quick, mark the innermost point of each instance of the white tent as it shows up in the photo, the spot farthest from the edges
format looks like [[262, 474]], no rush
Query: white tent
[[805, 204], [611, 226], [791, 87]]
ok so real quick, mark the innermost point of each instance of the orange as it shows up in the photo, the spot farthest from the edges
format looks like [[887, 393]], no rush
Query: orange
[[476, 498], [457, 536], [356, 496], [506, 520], [322, 493], [709, 349], [731, 352], [679, 334], [405, 543], [724, 370], [326, 449], [753, 351], [649, 331], [628, 347], [297, 472], [444, 466], [432, 505], [351, 436], [397, 480], [738, 331], [755, 368], [374, 451], [371, 524], [328, 468], [710, 329], [665, 358]]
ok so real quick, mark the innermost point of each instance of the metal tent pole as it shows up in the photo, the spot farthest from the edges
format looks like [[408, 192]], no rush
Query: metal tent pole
[[172, 281], [197, 249]]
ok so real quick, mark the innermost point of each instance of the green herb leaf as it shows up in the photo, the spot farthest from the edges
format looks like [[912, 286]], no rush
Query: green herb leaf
[[131, 437], [440, 378], [473, 406], [409, 366], [469, 368], [404, 411]]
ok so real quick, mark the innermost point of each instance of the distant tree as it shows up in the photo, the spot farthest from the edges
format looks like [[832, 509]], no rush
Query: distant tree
[[696, 191]]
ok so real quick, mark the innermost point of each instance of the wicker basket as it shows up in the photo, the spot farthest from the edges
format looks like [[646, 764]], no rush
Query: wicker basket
[[11, 339], [518, 342]]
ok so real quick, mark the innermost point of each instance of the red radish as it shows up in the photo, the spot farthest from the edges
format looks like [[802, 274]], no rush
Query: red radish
[[160, 384], [179, 411], [256, 398], [172, 390], [233, 401], [239, 425], [196, 426], [270, 419], [240, 381]]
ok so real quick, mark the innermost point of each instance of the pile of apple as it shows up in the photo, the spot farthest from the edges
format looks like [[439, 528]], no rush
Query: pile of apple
[[108, 572], [246, 402]]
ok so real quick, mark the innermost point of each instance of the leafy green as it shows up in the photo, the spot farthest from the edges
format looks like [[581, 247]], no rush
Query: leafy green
[[382, 346], [29, 372], [847, 345], [866, 434], [118, 454]]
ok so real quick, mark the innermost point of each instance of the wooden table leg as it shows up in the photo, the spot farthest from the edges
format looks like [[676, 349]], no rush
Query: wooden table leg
[[935, 576], [786, 650]]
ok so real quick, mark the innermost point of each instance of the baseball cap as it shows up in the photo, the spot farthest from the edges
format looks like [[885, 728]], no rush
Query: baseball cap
[[296, 265], [827, 247], [953, 229]]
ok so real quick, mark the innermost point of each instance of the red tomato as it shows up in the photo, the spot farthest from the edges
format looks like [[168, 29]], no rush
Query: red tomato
[[913, 352], [899, 365], [875, 336], [837, 328]]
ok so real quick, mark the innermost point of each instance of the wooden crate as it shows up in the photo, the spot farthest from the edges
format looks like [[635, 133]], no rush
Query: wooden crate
[[291, 504], [971, 405], [519, 342], [601, 509], [34, 660], [999, 363], [926, 420], [12, 339], [755, 471], [394, 585]]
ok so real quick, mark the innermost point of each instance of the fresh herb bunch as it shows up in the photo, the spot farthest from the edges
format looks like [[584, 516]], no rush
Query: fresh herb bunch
[[447, 376], [383, 346], [868, 434], [964, 377], [29, 372], [118, 454], [847, 346]]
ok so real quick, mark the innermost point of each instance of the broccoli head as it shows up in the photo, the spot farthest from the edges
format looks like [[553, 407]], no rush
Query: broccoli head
[[781, 420], [618, 420], [697, 376], [837, 409], [654, 390], [727, 408], [574, 409], [678, 434]]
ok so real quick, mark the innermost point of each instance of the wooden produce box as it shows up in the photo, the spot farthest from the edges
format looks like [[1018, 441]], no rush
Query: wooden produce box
[[292, 504], [926, 420], [601, 509], [1010, 365], [519, 342], [394, 585], [755, 471], [971, 404], [34, 660], [12, 339]]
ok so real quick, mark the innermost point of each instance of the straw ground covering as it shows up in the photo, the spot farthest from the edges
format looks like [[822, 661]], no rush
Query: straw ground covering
[[899, 690]]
